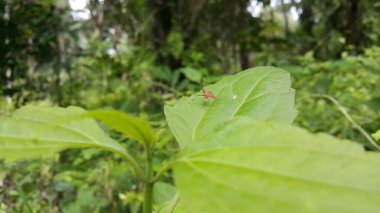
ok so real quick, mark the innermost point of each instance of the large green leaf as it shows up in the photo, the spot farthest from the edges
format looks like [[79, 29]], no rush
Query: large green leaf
[[262, 93], [21, 135], [251, 166]]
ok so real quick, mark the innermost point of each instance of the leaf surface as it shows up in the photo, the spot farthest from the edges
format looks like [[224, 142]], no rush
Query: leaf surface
[[262, 93], [192, 74], [251, 166], [132, 127], [376, 135], [163, 192], [21, 135]]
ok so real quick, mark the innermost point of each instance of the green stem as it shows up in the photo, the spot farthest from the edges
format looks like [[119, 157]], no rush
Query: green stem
[[159, 84], [148, 184], [148, 198], [349, 118], [162, 170]]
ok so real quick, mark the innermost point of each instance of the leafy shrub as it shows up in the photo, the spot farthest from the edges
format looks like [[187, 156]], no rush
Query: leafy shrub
[[353, 81], [237, 153]]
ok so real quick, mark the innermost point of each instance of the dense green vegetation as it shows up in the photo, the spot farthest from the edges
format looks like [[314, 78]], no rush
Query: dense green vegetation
[[149, 59]]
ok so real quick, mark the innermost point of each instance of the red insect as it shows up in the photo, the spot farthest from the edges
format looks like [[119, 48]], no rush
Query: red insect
[[206, 95]]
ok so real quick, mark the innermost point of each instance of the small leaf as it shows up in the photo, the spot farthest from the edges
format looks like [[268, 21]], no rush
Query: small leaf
[[192, 74], [165, 196], [132, 127], [376, 135], [182, 120], [163, 192], [250, 166], [262, 93], [20, 135]]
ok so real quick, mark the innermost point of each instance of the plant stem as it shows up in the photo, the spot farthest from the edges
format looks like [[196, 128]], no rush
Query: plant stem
[[162, 170], [349, 118], [148, 197], [148, 185], [159, 84]]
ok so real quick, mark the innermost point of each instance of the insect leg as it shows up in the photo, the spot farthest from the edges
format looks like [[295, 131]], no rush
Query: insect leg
[[195, 96]]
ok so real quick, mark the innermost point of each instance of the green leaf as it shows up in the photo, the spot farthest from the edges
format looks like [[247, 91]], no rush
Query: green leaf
[[262, 93], [132, 127], [252, 166], [175, 205], [192, 74], [167, 198], [21, 135], [376, 135], [163, 192]]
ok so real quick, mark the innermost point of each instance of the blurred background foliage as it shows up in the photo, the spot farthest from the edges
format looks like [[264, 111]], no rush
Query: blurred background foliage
[[137, 55]]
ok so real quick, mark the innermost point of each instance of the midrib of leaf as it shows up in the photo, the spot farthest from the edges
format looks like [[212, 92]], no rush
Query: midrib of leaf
[[132, 124], [44, 139], [282, 174], [142, 134], [197, 125], [182, 119], [62, 125], [58, 143], [96, 144], [65, 127], [79, 144], [90, 135], [147, 140], [252, 89], [239, 106]]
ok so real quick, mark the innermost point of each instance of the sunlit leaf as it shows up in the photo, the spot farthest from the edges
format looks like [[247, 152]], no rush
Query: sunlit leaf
[[262, 93], [163, 192], [251, 166], [376, 135], [132, 127], [192, 74], [22, 135], [167, 199]]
